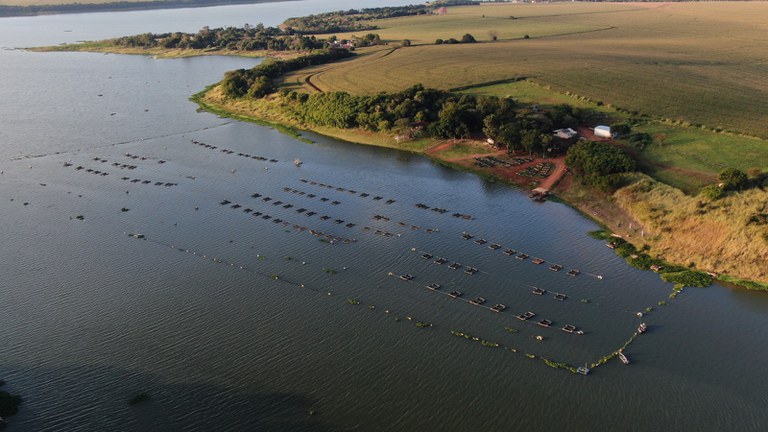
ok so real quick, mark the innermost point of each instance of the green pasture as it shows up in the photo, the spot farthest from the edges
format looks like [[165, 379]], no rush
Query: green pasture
[[699, 63]]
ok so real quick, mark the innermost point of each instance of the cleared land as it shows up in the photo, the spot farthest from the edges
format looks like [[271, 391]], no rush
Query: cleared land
[[696, 63]]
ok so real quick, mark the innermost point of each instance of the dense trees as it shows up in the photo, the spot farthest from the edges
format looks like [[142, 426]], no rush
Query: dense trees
[[597, 163], [246, 38], [350, 20]]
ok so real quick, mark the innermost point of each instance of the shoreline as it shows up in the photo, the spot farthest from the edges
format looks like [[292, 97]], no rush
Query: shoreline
[[591, 204]]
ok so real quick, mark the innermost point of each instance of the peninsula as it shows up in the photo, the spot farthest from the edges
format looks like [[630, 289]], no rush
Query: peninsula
[[641, 115]]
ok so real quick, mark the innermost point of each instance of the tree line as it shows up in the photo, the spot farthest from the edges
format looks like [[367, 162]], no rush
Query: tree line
[[246, 38]]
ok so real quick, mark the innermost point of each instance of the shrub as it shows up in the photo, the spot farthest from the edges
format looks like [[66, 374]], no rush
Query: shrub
[[711, 192], [733, 179]]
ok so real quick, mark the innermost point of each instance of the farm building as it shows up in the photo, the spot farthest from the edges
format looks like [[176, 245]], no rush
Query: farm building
[[603, 132], [564, 134]]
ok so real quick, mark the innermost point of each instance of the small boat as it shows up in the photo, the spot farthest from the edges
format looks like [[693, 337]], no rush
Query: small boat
[[406, 277], [297, 162], [466, 236], [509, 252], [569, 328], [470, 271], [494, 246], [454, 266], [537, 261], [555, 267], [137, 235], [426, 256], [583, 370], [440, 260], [481, 241], [560, 297], [642, 328], [611, 245], [454, 294], [434, 286], [573, 272], [499, 307], [623, 357], [477, 301], [539, 291], [522, 256]]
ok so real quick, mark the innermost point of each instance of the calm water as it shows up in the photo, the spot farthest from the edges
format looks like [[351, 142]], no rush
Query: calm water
[[193, 315]]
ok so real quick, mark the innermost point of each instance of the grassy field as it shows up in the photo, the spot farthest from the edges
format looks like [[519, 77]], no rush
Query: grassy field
[[700, 63], [733, 244]]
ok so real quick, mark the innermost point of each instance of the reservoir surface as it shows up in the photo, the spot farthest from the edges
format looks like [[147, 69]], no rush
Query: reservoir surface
[[151, 248]]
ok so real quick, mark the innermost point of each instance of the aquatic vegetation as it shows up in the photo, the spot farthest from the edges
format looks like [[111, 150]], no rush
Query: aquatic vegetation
[[353, 301], [329, 270], [585, 301], [423, 324], [511, 330]]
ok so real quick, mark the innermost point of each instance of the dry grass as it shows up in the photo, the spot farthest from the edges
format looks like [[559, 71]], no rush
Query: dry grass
[[703, 63], [715, 236]]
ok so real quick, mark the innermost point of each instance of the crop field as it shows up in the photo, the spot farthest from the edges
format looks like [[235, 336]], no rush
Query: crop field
[[692, 63]]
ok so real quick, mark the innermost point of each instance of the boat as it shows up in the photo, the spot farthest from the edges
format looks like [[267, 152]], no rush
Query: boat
[[494, 246], [440, 261], [642, 328], [573, 272], [623, 357], [406, 277], [499, 307], [455, 294], [434, 286], [583, 370], [509, 252], [454, 266], [477, 301], [539, 291], [560, 296], [137, 235], [522, 256], [470, 271], [297, 162], [568, 328], [537, 261], [555, 267], [545, 323], [481, 241], [426, 256]]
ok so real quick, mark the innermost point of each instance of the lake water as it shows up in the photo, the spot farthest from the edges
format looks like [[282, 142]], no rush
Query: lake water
[[193, 314]]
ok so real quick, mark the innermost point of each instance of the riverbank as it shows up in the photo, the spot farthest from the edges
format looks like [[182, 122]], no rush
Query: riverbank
[[621, 213], [166, 53]]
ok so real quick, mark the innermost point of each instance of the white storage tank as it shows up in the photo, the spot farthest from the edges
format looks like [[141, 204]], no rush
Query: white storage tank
[[603, 132]]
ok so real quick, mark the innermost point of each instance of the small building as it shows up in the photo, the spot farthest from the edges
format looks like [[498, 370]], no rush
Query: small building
[[565, 134], [603, 132]]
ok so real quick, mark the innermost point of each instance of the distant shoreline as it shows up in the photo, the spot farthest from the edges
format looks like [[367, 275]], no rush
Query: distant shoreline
[[120, 6]]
